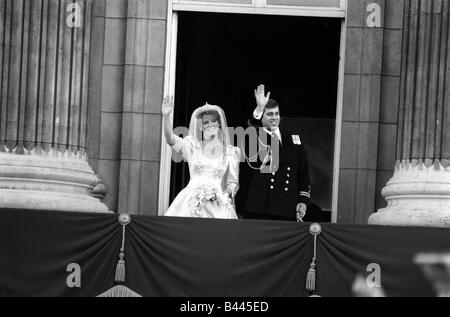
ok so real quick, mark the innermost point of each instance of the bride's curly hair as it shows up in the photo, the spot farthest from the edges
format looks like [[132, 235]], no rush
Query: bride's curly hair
[[213, 113]]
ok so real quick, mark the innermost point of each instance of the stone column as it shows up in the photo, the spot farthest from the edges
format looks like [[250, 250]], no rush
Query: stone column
[[419, 192], [44, 57]]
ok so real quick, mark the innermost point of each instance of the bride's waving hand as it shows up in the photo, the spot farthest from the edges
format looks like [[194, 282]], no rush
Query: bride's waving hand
[[166, 110]]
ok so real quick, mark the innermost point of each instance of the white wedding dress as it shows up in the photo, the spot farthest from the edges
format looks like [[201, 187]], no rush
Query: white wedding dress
[[204, 195]]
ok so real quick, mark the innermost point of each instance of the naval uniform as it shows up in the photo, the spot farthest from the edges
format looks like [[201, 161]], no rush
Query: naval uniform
[[279, 181]]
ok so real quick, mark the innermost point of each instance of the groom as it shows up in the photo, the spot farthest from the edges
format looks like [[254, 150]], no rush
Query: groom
[[279, 188]]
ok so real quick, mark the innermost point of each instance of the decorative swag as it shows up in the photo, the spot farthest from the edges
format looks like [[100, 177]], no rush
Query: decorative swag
[[79, 254]]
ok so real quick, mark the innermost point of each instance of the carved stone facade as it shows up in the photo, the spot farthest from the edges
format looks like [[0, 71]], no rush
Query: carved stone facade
[[82, 97], [419, 192], [44, 90]]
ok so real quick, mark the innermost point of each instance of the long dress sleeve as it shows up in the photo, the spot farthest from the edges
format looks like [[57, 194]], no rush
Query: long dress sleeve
[[184, 147], [232, 181]]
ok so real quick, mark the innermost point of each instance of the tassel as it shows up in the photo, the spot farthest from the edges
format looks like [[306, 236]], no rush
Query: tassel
[[124, 219], [314, 229], [120, 269], [311, 278]]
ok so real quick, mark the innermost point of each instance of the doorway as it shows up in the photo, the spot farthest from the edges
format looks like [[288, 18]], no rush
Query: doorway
[[222, 57]]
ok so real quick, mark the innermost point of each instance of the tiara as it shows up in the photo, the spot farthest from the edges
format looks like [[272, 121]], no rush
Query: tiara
[[207, 106]]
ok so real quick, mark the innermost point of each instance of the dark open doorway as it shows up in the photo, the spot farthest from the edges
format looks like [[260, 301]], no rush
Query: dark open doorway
[[221, 58]]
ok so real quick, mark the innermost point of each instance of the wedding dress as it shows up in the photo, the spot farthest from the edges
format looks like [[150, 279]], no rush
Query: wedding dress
[[209, 177]]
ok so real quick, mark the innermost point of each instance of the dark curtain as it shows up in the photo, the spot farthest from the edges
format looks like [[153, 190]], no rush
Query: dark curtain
[[205, 257], [38, 246], [346, 249], [221, 58]]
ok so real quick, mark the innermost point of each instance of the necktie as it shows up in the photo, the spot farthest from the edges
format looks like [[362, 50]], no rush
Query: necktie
[[276, 138], [275, 152]]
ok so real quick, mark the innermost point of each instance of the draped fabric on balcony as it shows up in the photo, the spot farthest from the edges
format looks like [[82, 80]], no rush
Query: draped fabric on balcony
[[203, 257]]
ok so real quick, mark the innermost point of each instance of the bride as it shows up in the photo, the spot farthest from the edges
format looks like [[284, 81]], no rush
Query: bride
[[213, 164]]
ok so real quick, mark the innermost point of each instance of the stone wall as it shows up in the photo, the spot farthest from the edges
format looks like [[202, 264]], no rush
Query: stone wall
[[370, 107], [126, 92]]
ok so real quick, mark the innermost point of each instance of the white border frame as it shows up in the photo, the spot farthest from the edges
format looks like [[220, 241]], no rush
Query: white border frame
[[258, 8], [338, 128], [169, 90]]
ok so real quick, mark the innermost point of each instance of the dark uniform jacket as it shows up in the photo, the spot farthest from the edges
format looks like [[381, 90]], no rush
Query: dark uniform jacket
[[283, 181]]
